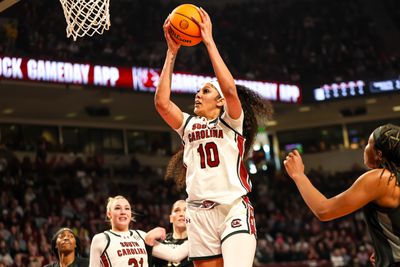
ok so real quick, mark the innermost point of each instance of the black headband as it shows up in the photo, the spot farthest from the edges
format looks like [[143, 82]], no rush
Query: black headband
[[54, 241], [387, 140]]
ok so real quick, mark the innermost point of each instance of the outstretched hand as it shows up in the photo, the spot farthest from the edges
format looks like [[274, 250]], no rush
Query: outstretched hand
[[172, 45], [155, 234], [294, 164], [205, 26]]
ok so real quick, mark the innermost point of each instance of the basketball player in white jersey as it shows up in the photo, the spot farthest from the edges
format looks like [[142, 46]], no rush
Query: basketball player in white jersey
[[121, 246], [220, 219]]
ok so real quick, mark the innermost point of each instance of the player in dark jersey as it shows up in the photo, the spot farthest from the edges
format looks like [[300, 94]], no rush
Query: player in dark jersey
[[377, 191], [66, 246], [178, 235]]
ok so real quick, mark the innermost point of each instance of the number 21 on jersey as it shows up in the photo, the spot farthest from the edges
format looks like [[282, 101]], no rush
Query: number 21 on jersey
[[133, 262]]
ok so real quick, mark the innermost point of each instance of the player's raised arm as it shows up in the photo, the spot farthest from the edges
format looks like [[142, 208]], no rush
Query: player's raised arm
[[171, 113], [224, 76]]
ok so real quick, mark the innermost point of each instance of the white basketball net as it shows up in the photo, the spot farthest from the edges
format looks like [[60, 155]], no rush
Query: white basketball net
[[86, 17]]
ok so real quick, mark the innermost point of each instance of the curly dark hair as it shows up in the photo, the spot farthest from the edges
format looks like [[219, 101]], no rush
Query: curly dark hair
[[254, 108], [387, 140]]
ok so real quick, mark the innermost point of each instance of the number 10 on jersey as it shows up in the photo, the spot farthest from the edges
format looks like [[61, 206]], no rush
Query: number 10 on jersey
[[208, 155]]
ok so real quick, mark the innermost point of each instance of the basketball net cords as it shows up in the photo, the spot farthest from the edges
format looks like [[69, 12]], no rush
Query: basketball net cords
[[86, 17]]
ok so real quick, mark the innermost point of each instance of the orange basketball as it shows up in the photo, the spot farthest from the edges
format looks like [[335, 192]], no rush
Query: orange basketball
[[183, 29]]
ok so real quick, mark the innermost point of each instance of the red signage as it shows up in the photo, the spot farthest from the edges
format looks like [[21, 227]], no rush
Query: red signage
[[137, 79]]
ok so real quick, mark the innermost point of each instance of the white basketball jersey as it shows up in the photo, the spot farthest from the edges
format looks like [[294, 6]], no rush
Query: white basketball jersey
[[127, 249], [213, 157]]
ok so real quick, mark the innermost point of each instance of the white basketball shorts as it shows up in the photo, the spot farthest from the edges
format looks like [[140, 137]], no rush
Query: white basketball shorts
[[209, 224]]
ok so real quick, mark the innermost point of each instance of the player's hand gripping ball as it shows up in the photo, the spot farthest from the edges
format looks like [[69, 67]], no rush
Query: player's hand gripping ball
[[184, 29]]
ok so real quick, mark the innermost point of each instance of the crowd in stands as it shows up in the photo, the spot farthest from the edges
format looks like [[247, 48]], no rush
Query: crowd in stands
[[37, 198], [393, 9], [303, 42]]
